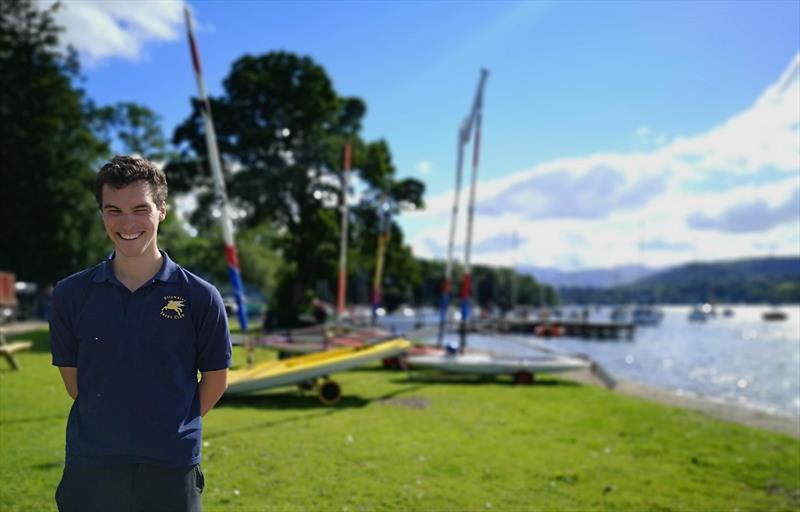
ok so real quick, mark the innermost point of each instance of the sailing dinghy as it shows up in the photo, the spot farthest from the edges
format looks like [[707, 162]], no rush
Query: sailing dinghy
[[310, 368], [522, 369]]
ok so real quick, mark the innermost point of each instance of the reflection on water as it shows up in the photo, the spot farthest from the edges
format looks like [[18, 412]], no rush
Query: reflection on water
[[739, 359]]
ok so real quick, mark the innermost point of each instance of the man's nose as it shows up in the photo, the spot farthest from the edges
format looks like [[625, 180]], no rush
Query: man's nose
[[128, 219]]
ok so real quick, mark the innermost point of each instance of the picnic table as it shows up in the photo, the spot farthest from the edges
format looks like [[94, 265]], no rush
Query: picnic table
[[7, 349]]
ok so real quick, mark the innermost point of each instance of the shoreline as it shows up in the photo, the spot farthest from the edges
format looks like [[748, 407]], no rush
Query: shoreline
[[731, 413]]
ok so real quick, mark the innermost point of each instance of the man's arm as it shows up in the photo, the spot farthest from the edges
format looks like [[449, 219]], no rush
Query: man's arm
[[69, 375], [212, 386]]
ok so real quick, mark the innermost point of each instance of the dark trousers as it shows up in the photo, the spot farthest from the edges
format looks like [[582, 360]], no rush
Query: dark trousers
[[130, 488]]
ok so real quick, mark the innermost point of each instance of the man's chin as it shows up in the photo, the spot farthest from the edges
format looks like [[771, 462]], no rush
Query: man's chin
[[129, 252]]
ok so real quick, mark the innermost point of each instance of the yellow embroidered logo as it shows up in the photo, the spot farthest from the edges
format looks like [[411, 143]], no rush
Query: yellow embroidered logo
[[173, 308]]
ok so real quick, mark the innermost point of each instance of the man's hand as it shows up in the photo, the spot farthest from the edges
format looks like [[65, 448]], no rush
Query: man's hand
[[212, 386], [70, 377]]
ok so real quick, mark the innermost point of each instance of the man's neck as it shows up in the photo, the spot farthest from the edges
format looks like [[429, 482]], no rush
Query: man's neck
[[134, 272]]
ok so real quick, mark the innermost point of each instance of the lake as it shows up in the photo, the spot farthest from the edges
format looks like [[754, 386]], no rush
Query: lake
[[740, 359]]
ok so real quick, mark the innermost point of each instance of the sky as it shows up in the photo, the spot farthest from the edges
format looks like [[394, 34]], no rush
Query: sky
[[613, 133]]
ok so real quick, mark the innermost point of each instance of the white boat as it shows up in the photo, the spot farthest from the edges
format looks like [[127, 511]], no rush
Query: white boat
[[647, 316], [699, 313], [619, 314], [522, 368]]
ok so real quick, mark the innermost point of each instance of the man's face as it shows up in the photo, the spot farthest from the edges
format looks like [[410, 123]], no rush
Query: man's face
[[131, 218]]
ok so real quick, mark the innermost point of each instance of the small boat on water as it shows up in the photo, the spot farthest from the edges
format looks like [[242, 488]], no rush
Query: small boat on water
[[548, 330], [619, 314], [647, 316], [773, 315], [699, 313]]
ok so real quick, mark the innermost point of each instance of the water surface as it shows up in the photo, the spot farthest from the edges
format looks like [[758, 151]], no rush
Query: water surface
[[740, 359]]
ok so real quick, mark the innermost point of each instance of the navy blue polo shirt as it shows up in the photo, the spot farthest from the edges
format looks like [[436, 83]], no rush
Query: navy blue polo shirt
[[137, 355]]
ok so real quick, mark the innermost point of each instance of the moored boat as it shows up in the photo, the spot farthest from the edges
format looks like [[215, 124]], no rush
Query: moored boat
[[647, 316], [774, 315], [698, 314]]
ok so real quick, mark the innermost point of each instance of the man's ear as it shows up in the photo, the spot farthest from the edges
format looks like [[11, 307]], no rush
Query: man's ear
[[162, 211]]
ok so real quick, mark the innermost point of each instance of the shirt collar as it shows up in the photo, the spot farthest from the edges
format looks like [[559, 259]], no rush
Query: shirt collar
[[168, 267], [105, 272]]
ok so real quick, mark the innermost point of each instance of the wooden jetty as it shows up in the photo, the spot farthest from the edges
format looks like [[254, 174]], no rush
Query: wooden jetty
[[558, 327]]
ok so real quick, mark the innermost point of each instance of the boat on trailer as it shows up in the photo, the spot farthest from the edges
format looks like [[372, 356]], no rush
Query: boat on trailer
[[521, 368], [311, 370], [315, 340]]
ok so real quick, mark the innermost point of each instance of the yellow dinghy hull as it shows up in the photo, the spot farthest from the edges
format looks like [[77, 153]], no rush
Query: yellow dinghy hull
[[305, 368]]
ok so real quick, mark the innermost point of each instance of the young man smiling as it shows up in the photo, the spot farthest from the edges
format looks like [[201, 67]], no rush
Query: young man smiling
[[129, 336]]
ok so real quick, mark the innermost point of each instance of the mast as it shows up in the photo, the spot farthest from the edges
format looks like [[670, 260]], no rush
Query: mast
[[466, 282], [464, 132], [231, 256], [514, 242], [380, 256], [448, 272], [342, 291]]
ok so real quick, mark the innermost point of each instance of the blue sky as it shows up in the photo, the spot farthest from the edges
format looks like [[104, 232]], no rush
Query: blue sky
[[607, 126]]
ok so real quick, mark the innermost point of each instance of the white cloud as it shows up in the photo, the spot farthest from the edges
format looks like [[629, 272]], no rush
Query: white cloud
[[120, 28], [724, 193], [750, 215], [767, 134], [423, 167]]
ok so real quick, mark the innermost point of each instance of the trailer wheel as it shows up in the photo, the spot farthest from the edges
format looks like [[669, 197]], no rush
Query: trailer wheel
[[395, 363], [523, 378], [306, 385], [330, 392]]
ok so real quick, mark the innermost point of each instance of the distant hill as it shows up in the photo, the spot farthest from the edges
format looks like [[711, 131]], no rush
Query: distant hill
[[589, 278], [775, 279]]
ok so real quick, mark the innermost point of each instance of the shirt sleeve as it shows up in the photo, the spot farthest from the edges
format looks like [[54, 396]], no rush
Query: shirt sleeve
[[213, 340], [63, 342]]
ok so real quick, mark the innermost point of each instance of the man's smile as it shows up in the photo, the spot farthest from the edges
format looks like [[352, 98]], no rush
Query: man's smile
[[130, 236]]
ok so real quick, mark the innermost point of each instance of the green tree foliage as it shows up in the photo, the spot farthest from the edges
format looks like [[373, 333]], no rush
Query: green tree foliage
[[200, 255], [281, 128], [50, 223], [133, 127], [384, 199], [491, 286], [757, 280], [260, 265]]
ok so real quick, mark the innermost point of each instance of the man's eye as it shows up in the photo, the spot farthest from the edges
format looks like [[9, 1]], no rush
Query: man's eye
[[142, 211]]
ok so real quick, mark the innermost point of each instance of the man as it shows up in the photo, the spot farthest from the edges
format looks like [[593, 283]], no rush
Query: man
[[318, 310], [129, 336]]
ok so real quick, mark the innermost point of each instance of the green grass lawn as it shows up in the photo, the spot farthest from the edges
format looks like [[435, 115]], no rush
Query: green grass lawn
[[423, 442]]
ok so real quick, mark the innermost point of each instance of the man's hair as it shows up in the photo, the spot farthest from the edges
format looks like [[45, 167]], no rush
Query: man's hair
[[121, 171]]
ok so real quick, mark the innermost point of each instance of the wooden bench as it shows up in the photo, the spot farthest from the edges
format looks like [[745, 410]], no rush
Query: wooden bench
[[7, 349]]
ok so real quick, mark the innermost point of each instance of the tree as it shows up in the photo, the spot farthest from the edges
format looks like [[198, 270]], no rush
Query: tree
[[135, 128], [281, 127], [50, 223]]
